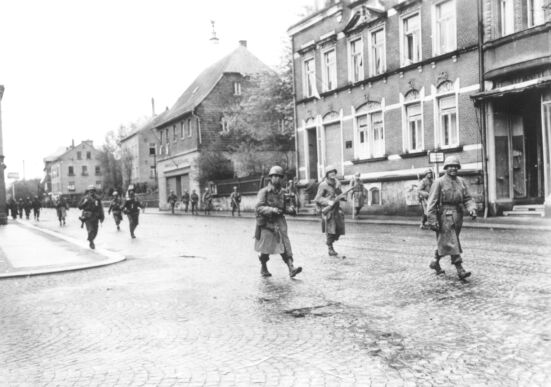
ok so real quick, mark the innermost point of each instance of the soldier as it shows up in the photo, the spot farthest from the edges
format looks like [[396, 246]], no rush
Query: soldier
[[27, 206], [423, 192], [328, 200], [61, 207], [131, 208], [185, 200], [271, 228], [172, 198], [359, 193], [92, 213], [36, 208], [235, 199], [194, 201], [12, 205], [293, 190], [448, 196], [20, 207], [116, 207], [207, 201]]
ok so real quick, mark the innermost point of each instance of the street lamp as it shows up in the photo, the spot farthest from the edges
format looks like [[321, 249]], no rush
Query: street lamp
[[3, 214]]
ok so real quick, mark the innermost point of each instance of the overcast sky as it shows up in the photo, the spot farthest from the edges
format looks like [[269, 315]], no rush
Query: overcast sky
[[77, 69]]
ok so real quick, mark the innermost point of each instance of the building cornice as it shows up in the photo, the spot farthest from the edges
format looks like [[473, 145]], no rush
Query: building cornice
[[315, 18]]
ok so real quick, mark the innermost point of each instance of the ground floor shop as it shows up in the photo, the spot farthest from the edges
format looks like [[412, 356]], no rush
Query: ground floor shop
[[177, 174]]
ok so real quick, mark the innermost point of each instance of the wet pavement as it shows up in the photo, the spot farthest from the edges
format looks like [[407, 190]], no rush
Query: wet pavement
[[189, 307]]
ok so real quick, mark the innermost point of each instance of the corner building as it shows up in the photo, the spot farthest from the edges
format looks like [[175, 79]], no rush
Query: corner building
[[378, 85]]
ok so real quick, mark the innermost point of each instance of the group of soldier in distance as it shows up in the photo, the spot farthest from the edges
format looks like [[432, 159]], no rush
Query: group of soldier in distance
[[444, 201]]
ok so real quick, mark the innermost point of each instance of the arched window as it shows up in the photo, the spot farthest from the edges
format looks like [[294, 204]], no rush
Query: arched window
[[412, 95], [310, 122]]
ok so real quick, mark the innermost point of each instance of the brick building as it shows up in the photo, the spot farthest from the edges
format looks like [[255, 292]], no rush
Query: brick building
[[195, 120], [379, 85], [71, 171], [516, 102]]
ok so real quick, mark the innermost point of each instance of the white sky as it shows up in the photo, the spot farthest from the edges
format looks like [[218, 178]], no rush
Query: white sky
[[77, 69]]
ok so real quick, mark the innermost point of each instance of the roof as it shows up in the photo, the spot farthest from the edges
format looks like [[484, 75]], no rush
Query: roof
[[240, 60], [54, 156], [150, 124]]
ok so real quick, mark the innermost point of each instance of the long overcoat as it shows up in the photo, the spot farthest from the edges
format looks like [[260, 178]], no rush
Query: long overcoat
[[359, 193], [447, 200], [333, 222], [271, 229]]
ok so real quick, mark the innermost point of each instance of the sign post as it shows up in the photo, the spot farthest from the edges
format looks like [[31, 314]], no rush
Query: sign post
[[436, 158]]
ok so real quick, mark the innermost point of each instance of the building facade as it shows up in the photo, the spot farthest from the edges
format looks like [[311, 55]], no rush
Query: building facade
[[72, 171], [195, 120], [516, 102], [138, 153]]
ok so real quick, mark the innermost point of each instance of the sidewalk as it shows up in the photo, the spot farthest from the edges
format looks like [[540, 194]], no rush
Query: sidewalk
[[501, 222], [28, 250]]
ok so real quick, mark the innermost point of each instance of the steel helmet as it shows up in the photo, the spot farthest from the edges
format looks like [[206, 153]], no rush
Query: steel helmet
[[330, 168], [427, 171], [452, 160], [115, 193], [91, 188], [276, 170]]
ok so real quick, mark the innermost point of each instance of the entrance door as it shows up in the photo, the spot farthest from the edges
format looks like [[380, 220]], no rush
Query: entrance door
[[510, 157], [333, 145], [312, 154], [179, 186]]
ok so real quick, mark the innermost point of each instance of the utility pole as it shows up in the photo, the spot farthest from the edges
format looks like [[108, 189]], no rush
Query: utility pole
[[3, 214]]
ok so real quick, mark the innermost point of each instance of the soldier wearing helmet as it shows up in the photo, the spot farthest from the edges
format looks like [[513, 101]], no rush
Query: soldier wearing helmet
[[332, 222], [449, 196], [359, 194], [423, 192], [271, 227], [92, 213], [207, 201], [235, 201], [172, 198], [116, 207], [131, 208]]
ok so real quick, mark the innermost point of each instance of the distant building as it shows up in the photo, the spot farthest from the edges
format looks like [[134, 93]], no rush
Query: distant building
[[379, 85], [138, 153], [72, 170], [195, 120]]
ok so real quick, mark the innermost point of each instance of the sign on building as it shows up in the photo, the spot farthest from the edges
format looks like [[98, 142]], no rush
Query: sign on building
[[13, 175], [436, 157]]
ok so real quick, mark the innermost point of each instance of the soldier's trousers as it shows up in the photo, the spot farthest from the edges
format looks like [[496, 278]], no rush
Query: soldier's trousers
[[36, 213], [331, 238], [193, 208], [236, 208], [133, 220], [266, 257], [92, 228], [117, 217], [27, 212], [456, 258], [186, 205]]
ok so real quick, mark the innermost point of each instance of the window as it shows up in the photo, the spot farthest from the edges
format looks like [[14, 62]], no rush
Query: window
[[71, 186], [449, 135], [377, 50], [506, 17], [189, 133], [375, 196], [329, 70], [152, 149], [445, 30], [309, 78], [363, 150], [152, 171], [182, 129], [161, 137], [84, 170], [356, 61], [88, 155], [166, 136], [79, 155], [174, 135], [98, 170], [411, 39], [225, 125], [71, 171], [414, 122], [370, 128], [237, 88], [377, 134], [534, 13]]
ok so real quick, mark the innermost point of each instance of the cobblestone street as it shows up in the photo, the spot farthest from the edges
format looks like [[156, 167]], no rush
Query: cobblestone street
[[189, 307]]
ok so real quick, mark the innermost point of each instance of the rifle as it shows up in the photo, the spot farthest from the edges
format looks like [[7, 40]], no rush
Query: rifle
[[325, 210]]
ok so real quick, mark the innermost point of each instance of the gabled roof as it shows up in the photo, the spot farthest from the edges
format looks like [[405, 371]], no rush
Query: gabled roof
[[54, 156], [240, 60], [150, 124]]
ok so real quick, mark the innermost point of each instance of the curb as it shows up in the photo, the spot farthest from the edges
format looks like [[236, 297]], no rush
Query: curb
[[112, 257], [395, 222]]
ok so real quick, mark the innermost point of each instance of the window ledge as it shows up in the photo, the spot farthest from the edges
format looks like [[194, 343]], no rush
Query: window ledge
[[453, 149], [370, 160], [408, 155]]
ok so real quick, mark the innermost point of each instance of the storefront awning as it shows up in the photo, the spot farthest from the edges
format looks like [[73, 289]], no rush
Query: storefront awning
[[511, 89]]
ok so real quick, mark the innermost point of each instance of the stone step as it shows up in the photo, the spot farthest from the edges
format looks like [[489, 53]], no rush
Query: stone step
[[523, 213]]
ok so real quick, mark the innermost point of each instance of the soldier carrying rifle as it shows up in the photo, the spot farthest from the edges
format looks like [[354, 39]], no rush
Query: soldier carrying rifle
[[449, 195]]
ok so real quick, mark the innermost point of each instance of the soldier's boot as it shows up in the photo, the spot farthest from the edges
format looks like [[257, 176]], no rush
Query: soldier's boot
[[92, 245], [331, 251], [264, 266], [435, 264], [461, 272], [292, 270]]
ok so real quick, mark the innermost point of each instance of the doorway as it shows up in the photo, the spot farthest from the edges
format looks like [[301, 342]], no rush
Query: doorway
[[312, 154]]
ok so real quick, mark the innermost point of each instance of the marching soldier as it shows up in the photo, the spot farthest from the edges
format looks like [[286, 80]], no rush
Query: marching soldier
[[423, 192], [20, 207], [116, 207], [328, 200], [92, 213], [172, 198], [359, 193], [36, 208], [12, 205], [448, 197], [194, 201], [185, 200], [235, 199], [207, 201], [28, 205], [61, 207], [271, 228], [131, 208]]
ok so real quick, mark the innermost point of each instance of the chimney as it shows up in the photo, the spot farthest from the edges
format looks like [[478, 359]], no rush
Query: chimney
[[73, 143], [243, 43], [153, 107]]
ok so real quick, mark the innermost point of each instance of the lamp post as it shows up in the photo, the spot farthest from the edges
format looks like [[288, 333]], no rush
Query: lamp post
[[3, 214]]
